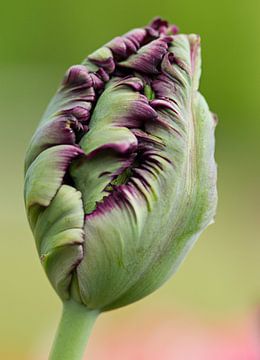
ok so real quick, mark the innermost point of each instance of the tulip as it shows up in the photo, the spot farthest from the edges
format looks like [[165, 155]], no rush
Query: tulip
[[120, 177]]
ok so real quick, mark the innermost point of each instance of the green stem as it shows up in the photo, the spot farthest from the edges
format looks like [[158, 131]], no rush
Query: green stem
[[73, 331]]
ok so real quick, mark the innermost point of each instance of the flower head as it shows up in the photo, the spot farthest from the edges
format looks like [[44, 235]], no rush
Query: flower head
[[120, 174]]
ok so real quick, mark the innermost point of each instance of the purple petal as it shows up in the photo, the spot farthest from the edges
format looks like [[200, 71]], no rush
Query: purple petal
[[149, 57], [160, 25], [139, 111], [137, 36], [133, 82], [120, 147], [103, 58], [144, 137], [163, 103], [56, 132], [122, 47], [77, 75]]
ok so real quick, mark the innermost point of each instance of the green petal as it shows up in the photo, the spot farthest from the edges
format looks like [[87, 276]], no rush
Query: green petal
[[46, 173], [73, 98], [52, 133], [123, 237], [59, 237], [192, 210], [109, 143], [143, 164], [64, 213], [140, 233], [59, 266]]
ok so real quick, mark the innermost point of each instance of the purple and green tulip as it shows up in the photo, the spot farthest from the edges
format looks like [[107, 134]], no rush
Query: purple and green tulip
[[120, 177]]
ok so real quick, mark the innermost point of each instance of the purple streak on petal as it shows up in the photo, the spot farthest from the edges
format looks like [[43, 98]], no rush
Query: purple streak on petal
[[168, 125], [68, 153], [163, 103], [122, 47], [57, 132], [163, 27], [146, 138], [174, 29], [77, 75], [82, 113], [137, 36], [131, 46], [139, 112], [194, 48], [124, 148], [164, 87], [168, 84], [99, 78], [135, 110], [107, 64], [157, 22], [160, 25], [153, 156], [141, 174], [149, 57], [77, 103], [98, 83], [126, 163], [71, 151], [128, 44], [102, 74], [169, 61], [169, 58], [152, 33], [149, 170], [119, 198], [78, 95], [133, 82], [78, 109]]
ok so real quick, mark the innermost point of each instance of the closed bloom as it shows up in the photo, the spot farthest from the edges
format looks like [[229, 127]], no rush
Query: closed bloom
[[120, 177]]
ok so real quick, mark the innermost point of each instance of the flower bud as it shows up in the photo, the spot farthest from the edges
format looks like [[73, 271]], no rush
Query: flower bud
[[120, 177]]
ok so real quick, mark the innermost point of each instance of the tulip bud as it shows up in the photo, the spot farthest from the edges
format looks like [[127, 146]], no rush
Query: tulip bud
[[120, 177]]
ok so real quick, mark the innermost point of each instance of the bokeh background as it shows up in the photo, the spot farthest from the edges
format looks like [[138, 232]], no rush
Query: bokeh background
[[209, 310]]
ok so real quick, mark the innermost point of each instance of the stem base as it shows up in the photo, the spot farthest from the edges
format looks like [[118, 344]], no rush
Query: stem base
[[73, 332]]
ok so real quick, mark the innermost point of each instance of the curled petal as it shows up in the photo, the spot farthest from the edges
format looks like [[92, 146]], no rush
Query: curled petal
[[120, 175], [109, 145], [168, 188], [103, 58], [53, 133], [44, 176], [77, 76], [121, 104], [59, 237], [148, 58]]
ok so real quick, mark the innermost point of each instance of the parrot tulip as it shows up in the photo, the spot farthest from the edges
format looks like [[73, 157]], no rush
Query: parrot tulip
[[120, 177]]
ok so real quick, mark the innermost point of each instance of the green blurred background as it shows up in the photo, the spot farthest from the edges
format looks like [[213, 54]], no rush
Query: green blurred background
[[39, 40]]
